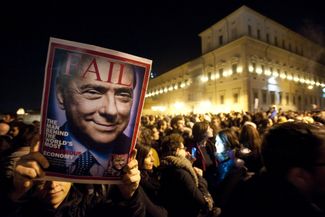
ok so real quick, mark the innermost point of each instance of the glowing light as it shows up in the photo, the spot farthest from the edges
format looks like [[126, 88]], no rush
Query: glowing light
[[283, 75], [203, 106], [296, 78], [323, 90], [267, 72], [183, 84], [161, 90], [175, 87], [204, 78], [165, 90], [275, 74], [312, 82], [178, 105], [302, 80], [250, 68], [317, 83], [289, 77], [158, 108], [272, 80], [310, 87], [259, 70], [20, 111], [239, 69], [213, 77]]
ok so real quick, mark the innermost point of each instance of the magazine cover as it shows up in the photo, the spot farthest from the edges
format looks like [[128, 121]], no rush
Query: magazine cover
[[92, 102]]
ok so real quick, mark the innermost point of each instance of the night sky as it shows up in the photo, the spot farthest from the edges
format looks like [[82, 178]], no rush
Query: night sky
[[164, 31]]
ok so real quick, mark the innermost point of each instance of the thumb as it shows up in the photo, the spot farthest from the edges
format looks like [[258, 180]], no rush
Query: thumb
[[35, 143]]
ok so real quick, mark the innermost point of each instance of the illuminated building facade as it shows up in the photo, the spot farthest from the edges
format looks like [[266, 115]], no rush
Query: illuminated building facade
[[248, 63]]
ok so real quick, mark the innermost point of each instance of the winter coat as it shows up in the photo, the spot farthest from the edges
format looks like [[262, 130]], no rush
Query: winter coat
[[182, 191]]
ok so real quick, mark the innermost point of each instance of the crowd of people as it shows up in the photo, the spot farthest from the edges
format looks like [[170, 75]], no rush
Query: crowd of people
[[227, 164]]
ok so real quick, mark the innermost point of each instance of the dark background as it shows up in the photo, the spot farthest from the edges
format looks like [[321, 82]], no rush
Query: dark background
[[164, 31]]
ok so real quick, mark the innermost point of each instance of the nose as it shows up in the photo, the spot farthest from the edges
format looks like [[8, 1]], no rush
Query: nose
[[108, 107]]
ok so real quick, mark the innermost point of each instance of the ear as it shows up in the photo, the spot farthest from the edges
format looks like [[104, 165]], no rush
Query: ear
[[59, 96], [300, 178]]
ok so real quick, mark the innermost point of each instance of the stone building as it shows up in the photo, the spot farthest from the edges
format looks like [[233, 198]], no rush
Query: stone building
[[248, 63]]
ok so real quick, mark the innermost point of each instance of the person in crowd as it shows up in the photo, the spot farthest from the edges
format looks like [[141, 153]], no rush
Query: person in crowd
[[251, 147], [183, 190], [293, 182], [150, 181], [5, 140], [29, 195], [231, 170], [203, 151], [97, 111]]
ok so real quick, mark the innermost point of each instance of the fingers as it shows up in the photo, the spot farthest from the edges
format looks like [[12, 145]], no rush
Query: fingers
[[35, 143], [31, 165], [131, 178], [38, 157]]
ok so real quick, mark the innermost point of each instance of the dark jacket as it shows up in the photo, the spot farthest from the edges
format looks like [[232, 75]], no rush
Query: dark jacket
[[182, 191], [82, 200]]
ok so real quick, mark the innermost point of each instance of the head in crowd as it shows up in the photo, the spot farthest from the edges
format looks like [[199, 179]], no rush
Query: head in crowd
[[145, 157], [4, 128], [173, 145], [178, 123], [52, 192], [226, 140], [201, 132], [293, 144], [250, 137], [162, 125], [144, 136], [97, 96]]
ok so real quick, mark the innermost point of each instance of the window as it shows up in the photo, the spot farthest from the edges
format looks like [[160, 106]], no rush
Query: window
[[209, 75], [283, 44], [221, 72], [294, 99], [236, 97], [276, 41], [289, 47], [287, 98], [258, 34], [234, 68], [249, 30], [234, 33], [272, 94], [264, 96], [222, 98], [220, 40], [280, 98], [267, 38]]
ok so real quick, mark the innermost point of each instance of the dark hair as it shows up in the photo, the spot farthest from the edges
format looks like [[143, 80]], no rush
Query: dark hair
[[292, 144], [142, 152], [199, 131], [175, 120], [171, 143], [229, 139], [250, 137]]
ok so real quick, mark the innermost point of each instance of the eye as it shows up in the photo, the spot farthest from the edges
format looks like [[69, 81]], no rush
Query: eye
[[124, 95], [91, 93]]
